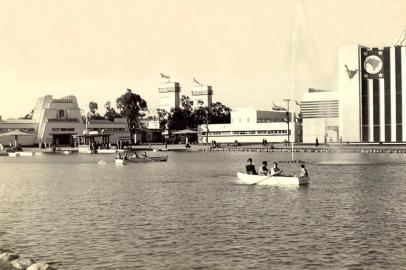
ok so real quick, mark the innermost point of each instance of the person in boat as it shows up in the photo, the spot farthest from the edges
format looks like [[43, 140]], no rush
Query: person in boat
[[119, 156], [135, 155], [275, 170], [144, 154], [263, 170], [303, 171], [250, 168]]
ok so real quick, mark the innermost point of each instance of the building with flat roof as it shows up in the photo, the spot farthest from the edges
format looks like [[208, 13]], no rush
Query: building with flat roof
[[249, 125], [320, 113], [117, 129]]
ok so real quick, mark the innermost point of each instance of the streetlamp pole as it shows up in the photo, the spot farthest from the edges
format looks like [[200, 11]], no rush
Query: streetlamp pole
[[207, 127], [287, 116]]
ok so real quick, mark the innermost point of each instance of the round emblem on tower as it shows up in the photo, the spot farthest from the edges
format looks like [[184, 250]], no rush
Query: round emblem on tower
[[373, 64]]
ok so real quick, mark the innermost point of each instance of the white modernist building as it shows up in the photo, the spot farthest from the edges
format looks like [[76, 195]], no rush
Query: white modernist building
[[55, 121], [249, 125], [371, 97], [320, 111]]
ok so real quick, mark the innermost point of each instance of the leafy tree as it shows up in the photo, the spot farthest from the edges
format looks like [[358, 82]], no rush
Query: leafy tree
[[28, 116], [201, 115], [186, 117], [130, 105], [220, 114], [93, 114], [163, 118], [111, 113], [182, 117], [186, 103]]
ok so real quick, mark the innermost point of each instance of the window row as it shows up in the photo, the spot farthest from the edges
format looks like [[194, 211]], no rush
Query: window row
[[250, 132], [28, 130]]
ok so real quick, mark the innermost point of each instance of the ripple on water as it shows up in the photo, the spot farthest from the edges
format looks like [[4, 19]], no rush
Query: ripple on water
[[189, 213]]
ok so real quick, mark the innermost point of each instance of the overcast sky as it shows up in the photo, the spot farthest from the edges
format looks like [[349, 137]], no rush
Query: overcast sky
[[95, 49]]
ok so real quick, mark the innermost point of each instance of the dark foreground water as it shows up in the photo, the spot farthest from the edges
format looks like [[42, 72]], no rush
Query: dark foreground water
[[189, 213]]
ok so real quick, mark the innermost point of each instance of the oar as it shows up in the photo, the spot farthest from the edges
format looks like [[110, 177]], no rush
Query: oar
[[262, 180], [149, 159]]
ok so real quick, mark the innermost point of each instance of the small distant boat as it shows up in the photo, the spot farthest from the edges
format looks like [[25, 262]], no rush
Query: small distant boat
[[21, 154], [148, 159], [58, 152], [265, 180], [159, 149]]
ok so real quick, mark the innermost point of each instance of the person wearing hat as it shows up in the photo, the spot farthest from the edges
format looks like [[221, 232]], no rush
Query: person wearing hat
[[263, 170], [250, 168]]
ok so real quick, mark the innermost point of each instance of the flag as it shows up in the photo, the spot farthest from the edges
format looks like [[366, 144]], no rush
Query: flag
[[382, 97], [163, 76], [277, 108], [195, 81], [372, 63]]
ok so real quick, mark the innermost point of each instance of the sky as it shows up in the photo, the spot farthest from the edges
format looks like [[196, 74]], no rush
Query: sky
[[96, 49]]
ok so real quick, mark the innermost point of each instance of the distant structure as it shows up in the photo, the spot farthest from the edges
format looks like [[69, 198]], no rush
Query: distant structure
[[249, 125], [53, 121], [169, 95], [370, 104], [57, 120], [320, 114], [202, 95]]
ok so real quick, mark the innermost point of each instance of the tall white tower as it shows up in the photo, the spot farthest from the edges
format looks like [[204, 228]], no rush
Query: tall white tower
[[202, 96], [169, 95]]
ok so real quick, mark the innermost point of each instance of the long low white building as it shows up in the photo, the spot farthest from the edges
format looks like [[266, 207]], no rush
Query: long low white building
[[249, 125]]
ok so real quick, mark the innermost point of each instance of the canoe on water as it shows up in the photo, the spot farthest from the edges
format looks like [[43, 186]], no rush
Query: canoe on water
[[148, 159], [265, 180], [140, 160]]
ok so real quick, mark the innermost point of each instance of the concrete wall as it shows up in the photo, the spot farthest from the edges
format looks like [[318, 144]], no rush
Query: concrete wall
[[349, 93]]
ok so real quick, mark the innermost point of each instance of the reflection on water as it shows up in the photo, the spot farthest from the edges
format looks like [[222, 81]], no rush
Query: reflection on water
[[189, 213]]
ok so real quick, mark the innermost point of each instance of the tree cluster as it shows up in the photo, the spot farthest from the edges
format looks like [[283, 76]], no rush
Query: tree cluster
[[185, 116], [129, 105]]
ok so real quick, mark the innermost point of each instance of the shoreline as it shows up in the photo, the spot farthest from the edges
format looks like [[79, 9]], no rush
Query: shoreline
[[298, 148]]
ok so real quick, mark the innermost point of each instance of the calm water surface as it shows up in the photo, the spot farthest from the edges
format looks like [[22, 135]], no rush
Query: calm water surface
[[189, 213]]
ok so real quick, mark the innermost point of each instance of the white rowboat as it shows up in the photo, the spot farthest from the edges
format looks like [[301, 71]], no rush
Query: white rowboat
[[266, 180]]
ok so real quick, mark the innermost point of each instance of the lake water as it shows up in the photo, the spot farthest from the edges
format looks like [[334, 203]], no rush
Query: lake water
[[189, 213]]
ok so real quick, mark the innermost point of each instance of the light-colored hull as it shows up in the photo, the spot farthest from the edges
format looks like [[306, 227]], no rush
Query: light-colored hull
[[21, 154], [59, 152], [261, 180], [106, 151], [120, 162]]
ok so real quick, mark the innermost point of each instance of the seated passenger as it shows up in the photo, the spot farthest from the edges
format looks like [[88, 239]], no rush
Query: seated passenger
[[275, 171], [263, 170], [303, 171], [250, 168]]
